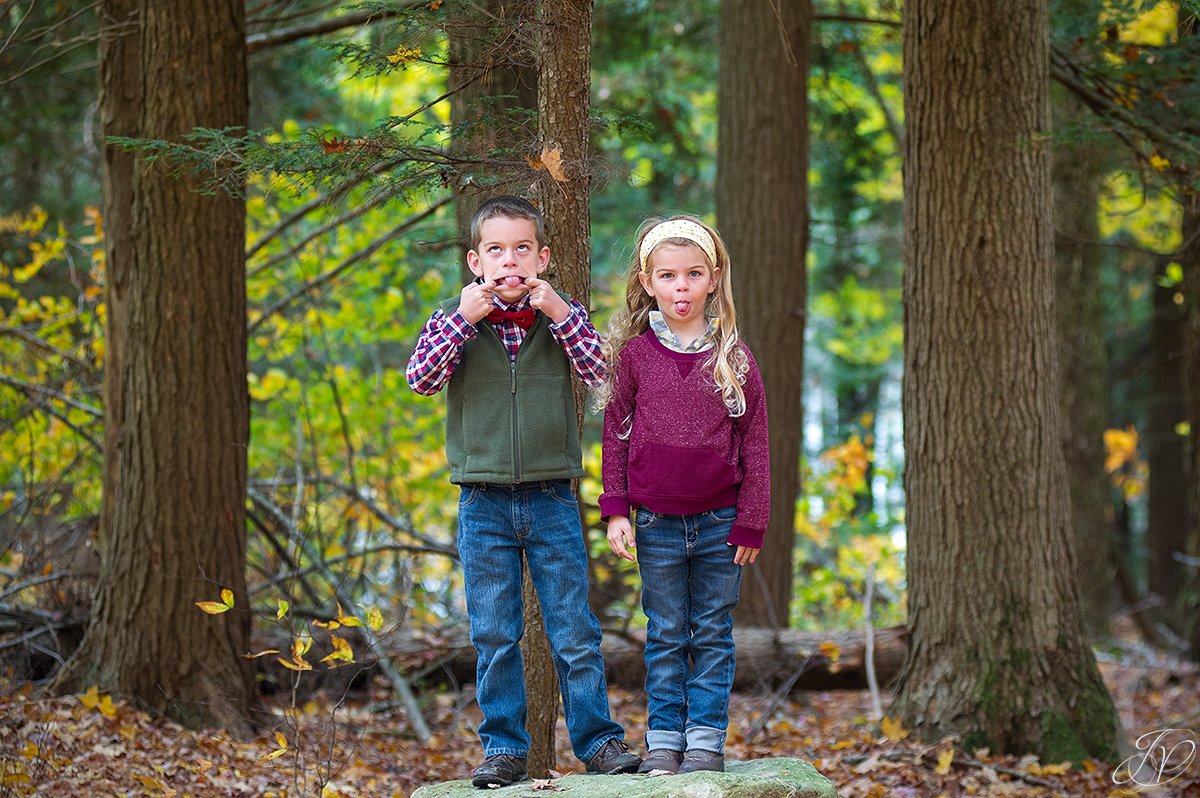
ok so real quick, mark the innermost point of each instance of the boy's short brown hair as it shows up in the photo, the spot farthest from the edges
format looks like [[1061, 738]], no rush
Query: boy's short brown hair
[[510, 207]]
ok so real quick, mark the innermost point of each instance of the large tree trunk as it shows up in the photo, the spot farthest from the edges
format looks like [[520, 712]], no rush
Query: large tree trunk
[[998, 656], [762, 211], [1167, 497], [493, 74], [120, 102], [176, 531], [1083, 366], [564, 87]]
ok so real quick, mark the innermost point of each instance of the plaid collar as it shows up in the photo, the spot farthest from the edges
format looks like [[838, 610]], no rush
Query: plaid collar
[[671, 341], [520, 304]]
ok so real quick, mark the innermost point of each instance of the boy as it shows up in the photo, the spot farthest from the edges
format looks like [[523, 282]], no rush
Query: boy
[[506, 346]]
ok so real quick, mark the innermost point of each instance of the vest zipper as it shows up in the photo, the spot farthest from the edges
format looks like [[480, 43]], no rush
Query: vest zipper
[[516, 426]]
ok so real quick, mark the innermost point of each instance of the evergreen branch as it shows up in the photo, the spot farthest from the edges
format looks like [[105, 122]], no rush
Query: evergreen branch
[[362, 254]]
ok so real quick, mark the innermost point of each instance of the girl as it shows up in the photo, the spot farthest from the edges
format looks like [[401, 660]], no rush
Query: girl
[[685, 447]]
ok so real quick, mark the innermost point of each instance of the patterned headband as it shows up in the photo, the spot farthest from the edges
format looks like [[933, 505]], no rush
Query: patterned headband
[[678, 228]]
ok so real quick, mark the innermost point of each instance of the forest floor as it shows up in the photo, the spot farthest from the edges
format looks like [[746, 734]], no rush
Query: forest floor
[[55, 746]]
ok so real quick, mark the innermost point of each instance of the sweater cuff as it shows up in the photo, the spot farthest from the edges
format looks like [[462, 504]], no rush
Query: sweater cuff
[[611, 505], [745, 536]]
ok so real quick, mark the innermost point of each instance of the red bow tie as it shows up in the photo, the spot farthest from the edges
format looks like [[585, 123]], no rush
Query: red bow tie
[[524, 318]]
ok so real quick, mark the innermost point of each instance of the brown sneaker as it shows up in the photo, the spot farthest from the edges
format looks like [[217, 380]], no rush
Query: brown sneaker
[[614, 757], [662, 760], [697, 759]]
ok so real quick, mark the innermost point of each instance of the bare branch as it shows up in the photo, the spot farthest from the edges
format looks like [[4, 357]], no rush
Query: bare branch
[[362, 254], [260, 41]]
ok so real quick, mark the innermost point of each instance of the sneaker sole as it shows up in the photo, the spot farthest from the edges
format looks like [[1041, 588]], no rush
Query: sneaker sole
[[492, 782]]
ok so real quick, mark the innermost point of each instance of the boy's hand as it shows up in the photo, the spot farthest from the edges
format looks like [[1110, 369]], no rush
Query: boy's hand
[[475, 301], [620, 535], [543, 297], [745, 555]]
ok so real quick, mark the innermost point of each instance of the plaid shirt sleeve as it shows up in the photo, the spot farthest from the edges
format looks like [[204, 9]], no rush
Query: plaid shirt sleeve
[[438, 351], [581, 342]]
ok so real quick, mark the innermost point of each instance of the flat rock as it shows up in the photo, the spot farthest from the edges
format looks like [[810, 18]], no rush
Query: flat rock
[[760, 778]]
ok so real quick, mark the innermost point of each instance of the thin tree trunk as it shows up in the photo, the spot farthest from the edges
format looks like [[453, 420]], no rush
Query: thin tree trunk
[[177, 531], [998, 656], [1083, 364], [1167, 495], [1190, 259], [762, 211], [564, 83]]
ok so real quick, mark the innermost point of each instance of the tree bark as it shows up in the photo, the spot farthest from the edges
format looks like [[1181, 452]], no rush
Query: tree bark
[[762, 210], [492, 72], [120, 101], [176, 531], [1083, 364], [998, 656], [1167, 494], [564, 87]]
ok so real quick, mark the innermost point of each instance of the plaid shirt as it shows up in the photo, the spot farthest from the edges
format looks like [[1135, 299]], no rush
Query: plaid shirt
[[441, 344]]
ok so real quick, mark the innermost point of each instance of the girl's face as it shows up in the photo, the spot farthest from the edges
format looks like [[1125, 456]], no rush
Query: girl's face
[[680, 280]]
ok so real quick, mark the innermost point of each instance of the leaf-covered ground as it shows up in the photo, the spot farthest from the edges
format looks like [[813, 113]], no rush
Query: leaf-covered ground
[[91, 745]]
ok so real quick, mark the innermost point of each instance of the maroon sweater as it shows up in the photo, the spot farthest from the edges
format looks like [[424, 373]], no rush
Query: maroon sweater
[[684, 454]]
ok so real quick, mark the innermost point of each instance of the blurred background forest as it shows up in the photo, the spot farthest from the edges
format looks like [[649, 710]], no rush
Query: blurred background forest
[[353, 204]]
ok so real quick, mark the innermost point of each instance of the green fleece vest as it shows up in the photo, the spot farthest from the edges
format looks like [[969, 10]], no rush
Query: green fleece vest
[[510, 422]]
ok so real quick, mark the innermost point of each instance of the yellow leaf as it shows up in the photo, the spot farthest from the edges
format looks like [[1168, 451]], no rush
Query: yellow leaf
[[261, 653], [227, 597], [831, 651], [300, 665], [281, 744], [374, 619], [106, 707], [212, 607], [893, 729], [945, 758], [48, 569], [91, 698], [347, 620], [1159, 163], [341, 651], [282, 611], [30, 751]]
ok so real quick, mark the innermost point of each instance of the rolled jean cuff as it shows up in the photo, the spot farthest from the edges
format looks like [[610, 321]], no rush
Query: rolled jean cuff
[[672, 741], [502, 750], [705, 738]]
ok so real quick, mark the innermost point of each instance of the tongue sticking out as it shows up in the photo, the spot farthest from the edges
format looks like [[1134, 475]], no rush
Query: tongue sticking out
[[512, 281], [682, 308]]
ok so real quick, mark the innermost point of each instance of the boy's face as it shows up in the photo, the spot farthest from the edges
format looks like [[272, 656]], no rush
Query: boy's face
[[508, 253]]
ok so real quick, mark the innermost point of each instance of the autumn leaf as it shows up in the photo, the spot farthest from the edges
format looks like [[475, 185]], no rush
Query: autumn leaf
[[334, 144], [944, 760], [282, 611], [261, 653], [347, 620], [218, 607], [831, 652], [341, 651], [374, 618], [280, 750], [1120, 447], [102, 702], [1159, 163], [300, 647], [893, 729], [551, 161]]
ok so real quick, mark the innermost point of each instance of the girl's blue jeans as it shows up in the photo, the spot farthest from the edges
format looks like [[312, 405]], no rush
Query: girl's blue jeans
[[497, 525], [690, 586]]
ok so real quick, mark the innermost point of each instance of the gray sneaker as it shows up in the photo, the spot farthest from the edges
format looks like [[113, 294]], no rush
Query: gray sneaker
[[663, 760], [697, 759]]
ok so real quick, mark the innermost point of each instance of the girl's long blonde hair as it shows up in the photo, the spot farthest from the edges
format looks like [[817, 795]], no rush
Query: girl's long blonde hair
[[728, 363]]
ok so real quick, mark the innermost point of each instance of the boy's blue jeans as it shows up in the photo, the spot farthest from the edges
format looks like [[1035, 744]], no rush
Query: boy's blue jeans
[[496, 523], [690, 586]]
